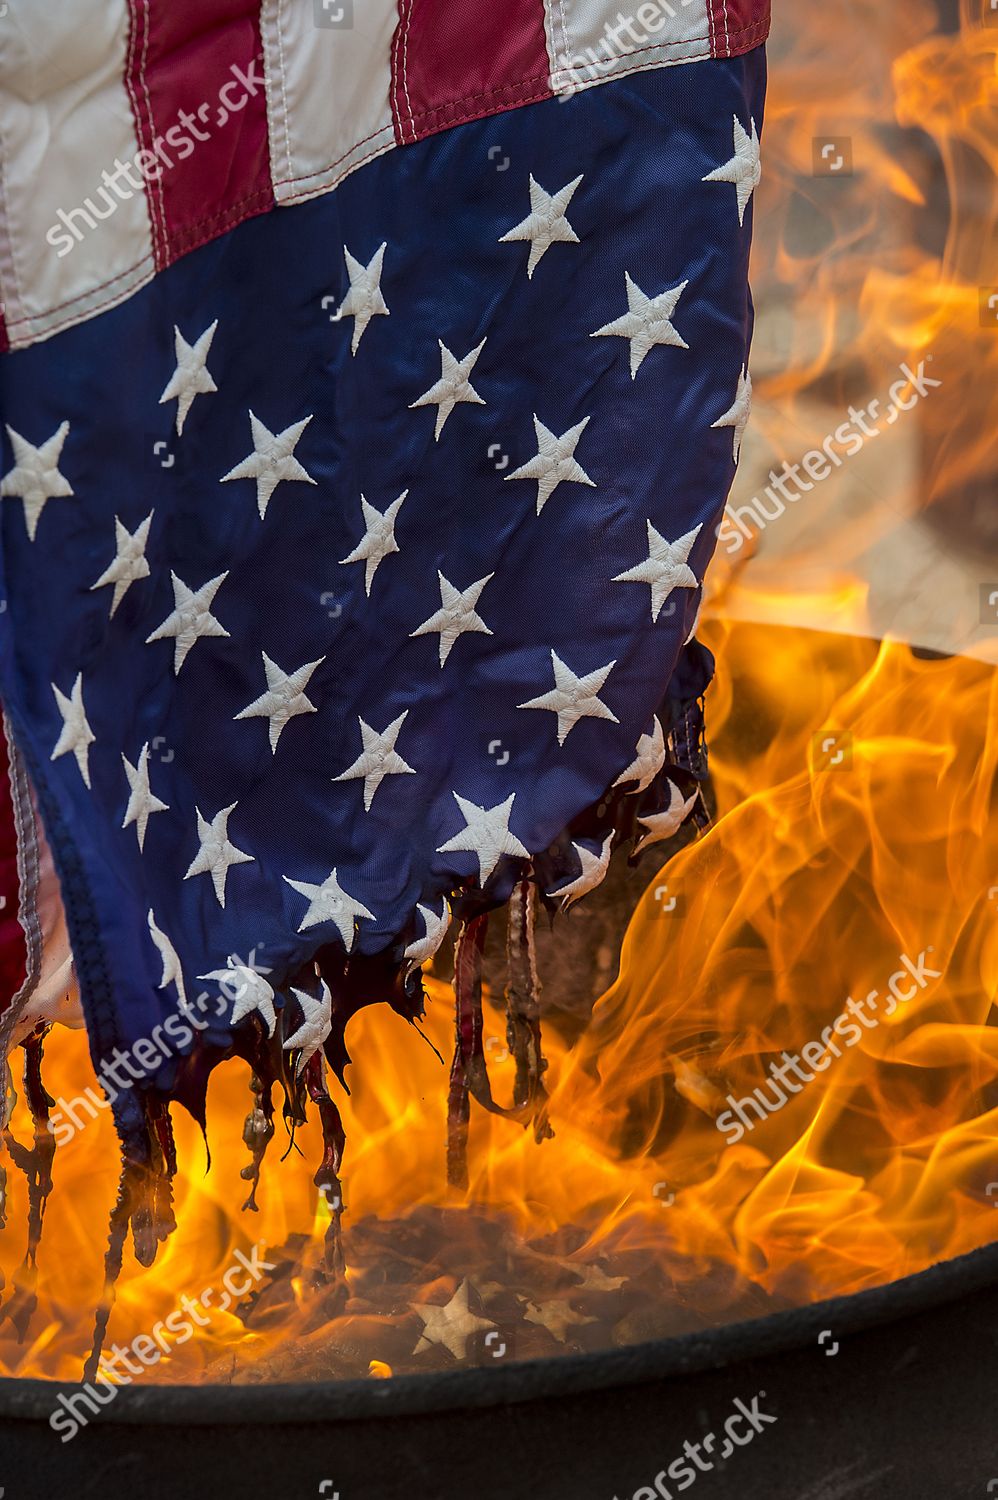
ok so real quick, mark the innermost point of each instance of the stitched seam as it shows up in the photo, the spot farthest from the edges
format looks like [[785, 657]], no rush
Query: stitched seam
[[549, 27], [6, 225], [564, 36], [375, 151], [405, 64], [165, 238], [321, 171], [73, 319], [133, 20], [284, 87]]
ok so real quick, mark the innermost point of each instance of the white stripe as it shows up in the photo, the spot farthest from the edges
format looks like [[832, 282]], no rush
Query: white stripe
[[65, 117], [328, 90], [586, 42]]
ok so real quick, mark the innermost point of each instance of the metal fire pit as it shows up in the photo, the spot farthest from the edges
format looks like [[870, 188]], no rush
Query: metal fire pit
[[887, 1393]]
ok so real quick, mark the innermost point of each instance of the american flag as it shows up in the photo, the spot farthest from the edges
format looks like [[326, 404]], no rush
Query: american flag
[[375, 377]]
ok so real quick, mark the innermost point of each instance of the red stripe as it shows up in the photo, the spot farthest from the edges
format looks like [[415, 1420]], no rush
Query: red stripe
[[195, 78], [13, 948], [457, 60], [737, 25]]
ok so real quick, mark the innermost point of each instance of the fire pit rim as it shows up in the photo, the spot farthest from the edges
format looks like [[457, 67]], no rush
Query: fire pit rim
[[529, 1380]]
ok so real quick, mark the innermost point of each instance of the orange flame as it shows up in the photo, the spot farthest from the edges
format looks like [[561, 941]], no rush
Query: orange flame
[[854, 782]]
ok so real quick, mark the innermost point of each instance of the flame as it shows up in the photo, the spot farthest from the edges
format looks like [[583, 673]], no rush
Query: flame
[[854, 783]]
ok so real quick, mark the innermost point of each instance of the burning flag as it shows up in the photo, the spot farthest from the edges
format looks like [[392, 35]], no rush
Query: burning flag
[[374, 388]]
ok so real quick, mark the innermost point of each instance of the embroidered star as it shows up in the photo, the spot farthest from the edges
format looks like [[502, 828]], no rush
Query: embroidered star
[[272, 460], [329, 902], [191, 377], [141, 802], [378, 541], [76, 734], [364, 300], [316, 1025], [573, 698], [217, 852], [737, 414], [191, 618], [646, 322], [35, 477], [451, 1325], [557, 1317], [452, 387], [554, 462], [421, 950], [284, 698], [593, 1278], [593, 870], [663, 825], [246, 987], [456, 614], [378, 759], [665, 568], [744, 169], [172, 972], [129, 563], [486, 834], [546, 223], [649, 758]]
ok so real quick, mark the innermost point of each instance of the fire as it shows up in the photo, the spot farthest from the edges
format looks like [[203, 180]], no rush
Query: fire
[[854, 831]]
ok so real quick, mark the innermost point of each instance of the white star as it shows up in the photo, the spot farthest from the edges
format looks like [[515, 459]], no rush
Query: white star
[[557, 1317], [554, 462], [737, 414], [316, 1026], [379, 758], [646, 322], [665, 568], [191, 377], [546, 222], [364, 300], [35, 476], [247, 989], [141, 802], [649, 758], [744, 169], [129, 563], [664, 824], [216, 853], [421, 950], [284, 698], [696, 622], [594, 868], [272, 460], [573, 698], [378, 541], [191, 618], [486, 833], [455, 615], [453, 385], [76, 734], [172, 972], [329, 902], [451, 1325]]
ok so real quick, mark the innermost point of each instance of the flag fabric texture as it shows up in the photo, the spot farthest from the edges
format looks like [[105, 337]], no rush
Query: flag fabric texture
[[375, 377]]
